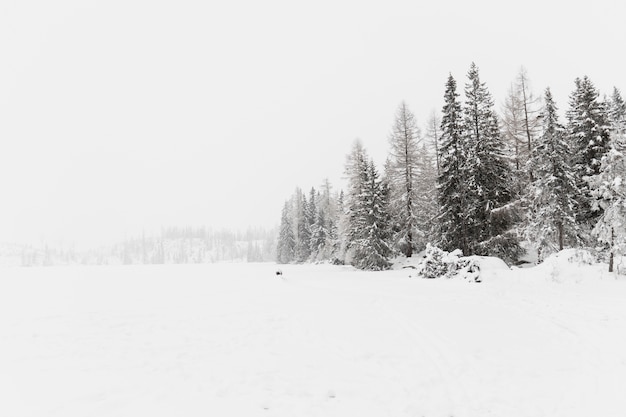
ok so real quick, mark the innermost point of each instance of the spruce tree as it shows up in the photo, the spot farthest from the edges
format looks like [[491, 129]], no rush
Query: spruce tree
[[303, 240], [488, 175], [371, 248], [451, 187], [551, 197], [617, 114], [401, 173], [588, 131], [286, 245], [608, 190]]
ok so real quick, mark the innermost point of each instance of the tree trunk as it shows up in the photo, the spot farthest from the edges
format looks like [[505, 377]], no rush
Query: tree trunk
[[560, 232], [611, 255]]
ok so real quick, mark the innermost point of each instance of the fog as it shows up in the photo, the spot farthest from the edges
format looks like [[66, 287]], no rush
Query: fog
[[118, 117]]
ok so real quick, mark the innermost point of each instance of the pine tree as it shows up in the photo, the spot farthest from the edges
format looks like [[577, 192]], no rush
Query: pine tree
[[588, 130], [551, 198], [401, 174], [451, 188], [488, 175]]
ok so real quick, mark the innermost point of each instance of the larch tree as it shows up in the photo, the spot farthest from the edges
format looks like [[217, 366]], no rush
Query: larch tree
[[433, 136], [401, 173], [551, 199]]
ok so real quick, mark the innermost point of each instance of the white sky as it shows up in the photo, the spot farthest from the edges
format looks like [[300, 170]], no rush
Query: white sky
[[118, 116]]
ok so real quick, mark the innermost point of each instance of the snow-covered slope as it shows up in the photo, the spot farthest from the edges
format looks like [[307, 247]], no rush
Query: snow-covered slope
[[237, 340]]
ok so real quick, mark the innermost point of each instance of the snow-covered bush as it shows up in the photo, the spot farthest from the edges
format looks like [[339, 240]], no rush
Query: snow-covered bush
[[438, 263]]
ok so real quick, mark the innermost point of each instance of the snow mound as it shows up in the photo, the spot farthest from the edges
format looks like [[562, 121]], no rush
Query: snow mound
[[490, 267], [572, 265]]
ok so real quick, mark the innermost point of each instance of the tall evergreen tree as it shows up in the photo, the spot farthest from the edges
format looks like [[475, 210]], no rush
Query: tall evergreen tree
[[303, 234], [588, 130], [371, 249], [401, 174], [356, 173], [617, 113], [609, 191], [551, 198], [451, 187], [488, 175]]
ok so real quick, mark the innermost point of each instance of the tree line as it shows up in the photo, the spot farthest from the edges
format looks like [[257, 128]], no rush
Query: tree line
[[479, 180]]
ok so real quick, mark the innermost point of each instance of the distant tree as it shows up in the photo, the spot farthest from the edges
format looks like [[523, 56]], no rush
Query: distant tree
[[617, 113], [551, 198], [433, 136], [402, 171], [303, 234], [286, 246], [426, 199]]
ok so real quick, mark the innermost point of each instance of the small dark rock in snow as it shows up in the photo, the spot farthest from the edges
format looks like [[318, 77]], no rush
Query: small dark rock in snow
[[279, 272]]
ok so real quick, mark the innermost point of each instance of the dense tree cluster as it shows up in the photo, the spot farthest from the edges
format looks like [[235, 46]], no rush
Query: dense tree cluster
[[479, 181]]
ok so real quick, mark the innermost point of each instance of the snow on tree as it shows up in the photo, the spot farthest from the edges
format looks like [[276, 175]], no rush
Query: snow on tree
[[608, 190], [451, 187], [617, 113], [588, 129], [401, 173], [488, 176], [355, 171], [303, 234], [286, 246], [551, 198], [371, 223]]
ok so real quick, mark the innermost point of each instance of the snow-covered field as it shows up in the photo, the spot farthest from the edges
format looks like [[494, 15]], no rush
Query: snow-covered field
[[236, 340]]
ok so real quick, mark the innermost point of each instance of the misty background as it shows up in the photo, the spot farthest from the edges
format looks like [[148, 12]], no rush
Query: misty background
[[123, 119]]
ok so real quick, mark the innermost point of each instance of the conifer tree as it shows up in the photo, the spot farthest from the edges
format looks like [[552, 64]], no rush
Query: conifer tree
[[285, 248], [608, 189], [617, 113], [588, 130], [451, 187], [401, 173], [355, 170], [551, 198], [371, 250], [426, 199], [488, 175], [303, 239], [433, 135]]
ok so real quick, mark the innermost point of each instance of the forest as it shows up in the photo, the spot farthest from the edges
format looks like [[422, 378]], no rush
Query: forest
[[486, 181]]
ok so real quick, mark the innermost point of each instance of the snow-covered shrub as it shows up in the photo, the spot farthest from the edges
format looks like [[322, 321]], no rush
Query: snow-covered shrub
[[438, 263]]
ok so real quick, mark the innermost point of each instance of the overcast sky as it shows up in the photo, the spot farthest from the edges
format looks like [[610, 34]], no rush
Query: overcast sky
[[118, 116]]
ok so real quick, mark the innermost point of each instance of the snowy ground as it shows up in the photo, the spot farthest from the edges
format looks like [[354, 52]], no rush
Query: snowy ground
[[236, 340]]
